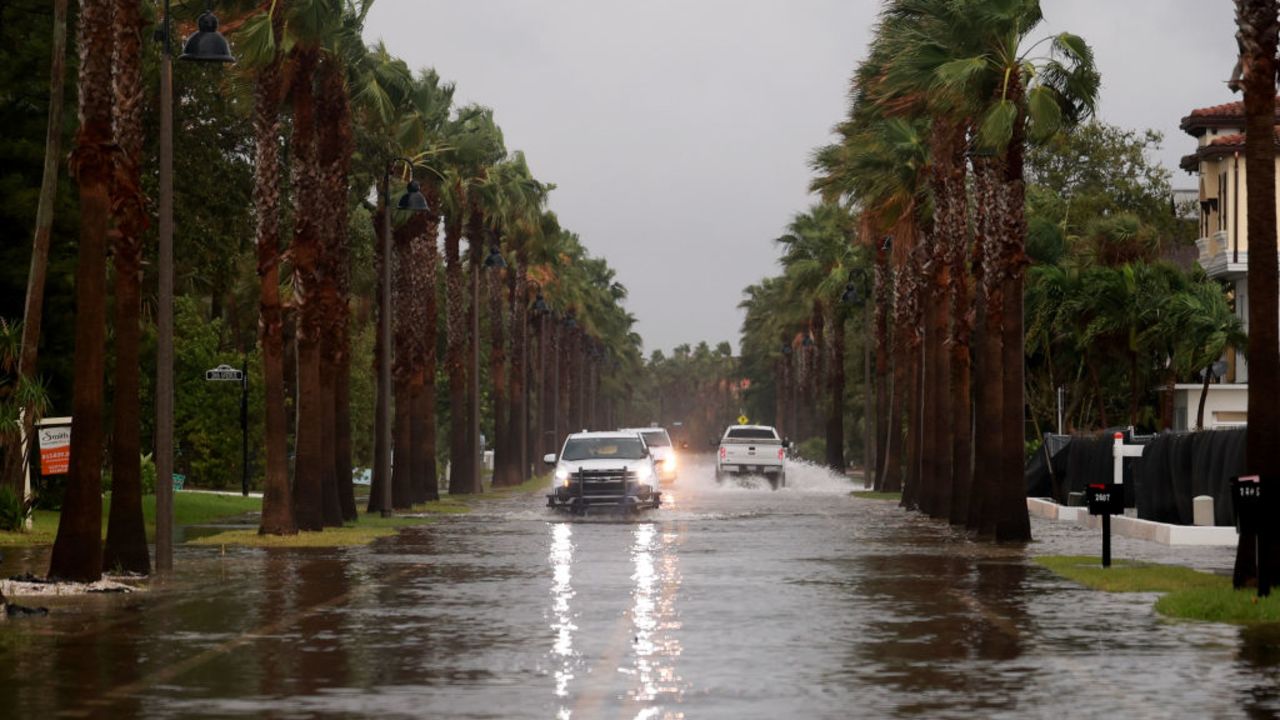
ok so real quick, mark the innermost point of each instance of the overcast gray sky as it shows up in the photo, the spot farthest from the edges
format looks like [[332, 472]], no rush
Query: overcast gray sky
[[678, 132]]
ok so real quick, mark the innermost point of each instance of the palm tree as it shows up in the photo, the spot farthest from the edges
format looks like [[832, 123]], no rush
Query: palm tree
[[816, 259], [1017, 94], [1204, 327], [77, 550], [126, 544], [477, 146], [33, 312], [1257, 28], [259, 44]]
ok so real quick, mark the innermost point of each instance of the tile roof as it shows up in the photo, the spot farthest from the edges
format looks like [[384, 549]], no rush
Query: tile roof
[[1214, 116], [1217, 147]]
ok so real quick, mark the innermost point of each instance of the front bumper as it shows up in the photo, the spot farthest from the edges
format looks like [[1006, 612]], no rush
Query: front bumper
[[582, 494]]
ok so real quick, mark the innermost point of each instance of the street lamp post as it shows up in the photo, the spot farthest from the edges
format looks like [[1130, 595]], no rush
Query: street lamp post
[[414, 201], [206, 45]]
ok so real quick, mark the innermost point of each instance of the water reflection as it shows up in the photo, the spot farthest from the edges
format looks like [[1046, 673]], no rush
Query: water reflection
[[562, 620], [655, 620], [1260, 657]]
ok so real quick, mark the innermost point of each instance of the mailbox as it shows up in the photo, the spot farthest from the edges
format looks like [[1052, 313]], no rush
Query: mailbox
[[1246, 498], [1105, 499]]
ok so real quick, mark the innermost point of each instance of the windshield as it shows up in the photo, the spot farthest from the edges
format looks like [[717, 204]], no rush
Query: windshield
[[622, 448], [656, 438], [751, 434]]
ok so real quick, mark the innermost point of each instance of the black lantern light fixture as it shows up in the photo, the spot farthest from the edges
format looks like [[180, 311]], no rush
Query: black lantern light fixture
[[413, 199], [207, 44], [494, 259]]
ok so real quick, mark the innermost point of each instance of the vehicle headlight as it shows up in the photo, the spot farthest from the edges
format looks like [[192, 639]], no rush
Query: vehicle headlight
[[562, 475], [644, 474], [669, 462]]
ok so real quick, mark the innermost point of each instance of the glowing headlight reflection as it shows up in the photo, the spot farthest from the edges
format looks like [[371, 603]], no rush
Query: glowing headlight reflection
[[654, 618], [561, 593]]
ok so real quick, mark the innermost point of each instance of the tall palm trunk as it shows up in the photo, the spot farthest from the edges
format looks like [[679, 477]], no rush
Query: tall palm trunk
[[407, 322], [420, 301], [882, 378], [312, 458], [333, 157], [15, 467], [380, 412], [912, 321], [427, 255], [126, 545], [1013, 523], [989, 377], [460, 460], [1257, 28], [277, 495], [502, 464], [77, 550], [950, 184], [518, 425], [835, 392]]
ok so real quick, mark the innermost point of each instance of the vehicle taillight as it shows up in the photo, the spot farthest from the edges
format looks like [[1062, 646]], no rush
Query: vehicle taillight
[[779, 453], [723, 453]]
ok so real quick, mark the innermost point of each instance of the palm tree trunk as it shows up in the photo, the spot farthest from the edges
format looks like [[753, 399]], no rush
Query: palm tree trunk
[[460, 460], [407, 323], [1013, 524], [77, 550], [950, 183], [1204, 394], [427, 263], [835, 390], [277, 496], [380, 412], [15, 468], [988, 384], [883, 294], [518, 425], [1256, 20], [502, 460], [310, 451], [342, 436], [126, 545]]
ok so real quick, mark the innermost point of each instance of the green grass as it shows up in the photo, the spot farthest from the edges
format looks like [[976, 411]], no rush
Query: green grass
[[1221, 604], [1188, 594], [1129, 576], [873, 495], [192, 508], [189, 508]]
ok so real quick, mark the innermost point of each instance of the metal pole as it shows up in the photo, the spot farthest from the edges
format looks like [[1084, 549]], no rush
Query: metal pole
[[244, 426], [384, 363], [164, 316]]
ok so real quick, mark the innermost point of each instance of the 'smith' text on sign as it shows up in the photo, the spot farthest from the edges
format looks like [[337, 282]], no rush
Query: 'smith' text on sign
[[55, 450]]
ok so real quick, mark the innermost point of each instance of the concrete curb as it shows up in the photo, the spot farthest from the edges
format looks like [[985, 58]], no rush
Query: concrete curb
[[1163, 533]]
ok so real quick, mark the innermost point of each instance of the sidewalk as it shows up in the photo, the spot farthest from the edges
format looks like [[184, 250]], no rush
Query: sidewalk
[[1125, 526]]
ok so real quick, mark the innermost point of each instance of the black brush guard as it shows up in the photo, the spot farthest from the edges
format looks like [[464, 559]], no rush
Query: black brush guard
[[616, 489]]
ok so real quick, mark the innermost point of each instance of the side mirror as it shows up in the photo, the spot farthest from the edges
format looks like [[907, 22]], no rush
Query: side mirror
[[549, 458], [786, 443]]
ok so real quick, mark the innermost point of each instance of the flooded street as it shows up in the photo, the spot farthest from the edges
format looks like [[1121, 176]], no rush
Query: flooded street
[[730, 602]]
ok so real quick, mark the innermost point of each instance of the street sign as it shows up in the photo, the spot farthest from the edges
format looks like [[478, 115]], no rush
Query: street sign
[[224, 372], [742, 419]]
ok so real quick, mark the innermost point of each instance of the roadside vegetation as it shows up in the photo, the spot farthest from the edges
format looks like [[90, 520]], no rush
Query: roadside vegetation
[[1186, 594]]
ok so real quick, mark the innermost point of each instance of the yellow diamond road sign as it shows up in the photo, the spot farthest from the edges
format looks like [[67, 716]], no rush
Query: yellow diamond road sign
[[742, 419]]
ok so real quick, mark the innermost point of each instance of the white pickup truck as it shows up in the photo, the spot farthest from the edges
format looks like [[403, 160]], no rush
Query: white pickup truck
[[752, 450]]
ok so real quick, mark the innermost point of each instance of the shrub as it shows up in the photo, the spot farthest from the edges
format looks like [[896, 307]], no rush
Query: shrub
[[814, 450], [14, 511]]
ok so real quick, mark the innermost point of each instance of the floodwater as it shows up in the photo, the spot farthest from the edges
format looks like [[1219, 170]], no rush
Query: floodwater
[[731, 602]]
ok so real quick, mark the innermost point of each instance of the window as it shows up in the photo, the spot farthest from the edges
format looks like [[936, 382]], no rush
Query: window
[[621, 448], [752, 434]]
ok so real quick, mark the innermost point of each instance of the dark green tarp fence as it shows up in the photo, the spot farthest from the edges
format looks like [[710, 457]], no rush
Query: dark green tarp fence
[[1174, 469]]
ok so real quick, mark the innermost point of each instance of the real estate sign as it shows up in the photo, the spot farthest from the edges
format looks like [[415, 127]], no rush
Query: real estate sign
[[55, 449]]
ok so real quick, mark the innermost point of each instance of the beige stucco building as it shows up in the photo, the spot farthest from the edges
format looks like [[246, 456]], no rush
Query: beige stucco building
[[1223, 241]]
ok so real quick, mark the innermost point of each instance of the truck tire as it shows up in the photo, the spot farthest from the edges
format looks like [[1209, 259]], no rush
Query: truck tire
[[778, 481], [719, 475]]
